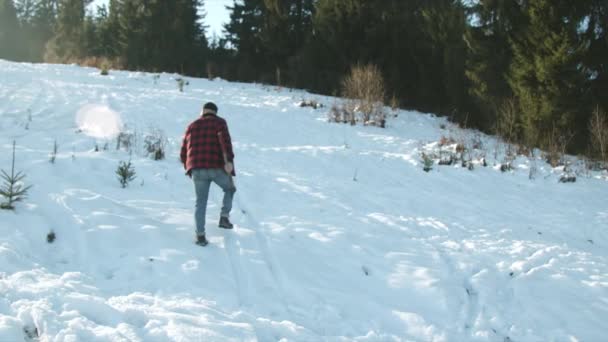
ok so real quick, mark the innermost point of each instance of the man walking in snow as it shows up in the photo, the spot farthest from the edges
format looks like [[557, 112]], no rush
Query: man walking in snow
[[207, 157]]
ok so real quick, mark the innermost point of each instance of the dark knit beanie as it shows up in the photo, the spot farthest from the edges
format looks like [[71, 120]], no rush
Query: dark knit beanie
[[210, 107]]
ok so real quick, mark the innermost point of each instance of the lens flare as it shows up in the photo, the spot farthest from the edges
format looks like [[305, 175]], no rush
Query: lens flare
[[98, 121]]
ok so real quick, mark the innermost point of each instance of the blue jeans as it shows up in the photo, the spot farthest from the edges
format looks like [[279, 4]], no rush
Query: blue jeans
[[202, 181]]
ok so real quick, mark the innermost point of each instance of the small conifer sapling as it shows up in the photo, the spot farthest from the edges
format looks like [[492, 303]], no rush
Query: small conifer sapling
[[125, 173], [53, 155], [12, 188], [50, 237]]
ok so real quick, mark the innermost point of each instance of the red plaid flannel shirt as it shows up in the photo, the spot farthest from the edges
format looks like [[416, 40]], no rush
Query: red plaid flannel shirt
[[201, 148]]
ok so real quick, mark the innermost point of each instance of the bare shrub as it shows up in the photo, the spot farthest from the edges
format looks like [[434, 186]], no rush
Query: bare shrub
[[446, 160], [598, 127], [394, 103], [31, 333], [211, 69], [557, 145], [155, 144], [125, 140], [277, 76], [51, 236], [101, 63], [533, 167], [567, 179], [181, 83], [460, 148], [444, 141], [53, 154], [568, 175], [104, 64], [476, 142], [364, 87], [524, 150], [340, 114], [334, 114], [506, 167], [506, 123], [311, 103], [427, 162]]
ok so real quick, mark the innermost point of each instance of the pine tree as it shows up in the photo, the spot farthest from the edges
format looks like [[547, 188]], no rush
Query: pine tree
[[243, 32], [345, 33], [284, 32], [43, 26], [596, 58], [444, 25], [188, 39], [416, 44], [9, 28], [90, 37], [159, 35], [131, 42], [108, 25], [489, 56], [30, 39], [68, 42], [25, 9], [12, 188]]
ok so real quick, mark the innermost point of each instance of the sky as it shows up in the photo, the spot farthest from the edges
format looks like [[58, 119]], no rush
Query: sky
[[217, 14]]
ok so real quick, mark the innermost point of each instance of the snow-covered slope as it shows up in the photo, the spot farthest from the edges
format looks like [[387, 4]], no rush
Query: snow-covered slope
[[340, 235]]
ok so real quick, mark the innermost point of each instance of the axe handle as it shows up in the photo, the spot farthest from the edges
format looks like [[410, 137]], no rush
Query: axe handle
[[220, 137]]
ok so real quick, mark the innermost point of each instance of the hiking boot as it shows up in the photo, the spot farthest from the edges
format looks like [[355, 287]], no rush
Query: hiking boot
[[225, 223], [201, 240]]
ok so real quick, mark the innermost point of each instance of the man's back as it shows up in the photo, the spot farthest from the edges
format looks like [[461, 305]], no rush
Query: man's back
[[201, 148]]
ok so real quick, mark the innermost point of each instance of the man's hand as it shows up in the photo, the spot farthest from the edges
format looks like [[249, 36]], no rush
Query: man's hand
[[228, 167]]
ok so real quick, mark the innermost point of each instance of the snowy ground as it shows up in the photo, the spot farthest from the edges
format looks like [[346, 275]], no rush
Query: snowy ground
[[340, 235]]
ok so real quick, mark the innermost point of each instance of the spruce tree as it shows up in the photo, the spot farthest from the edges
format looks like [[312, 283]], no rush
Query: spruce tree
[[544, 74]]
